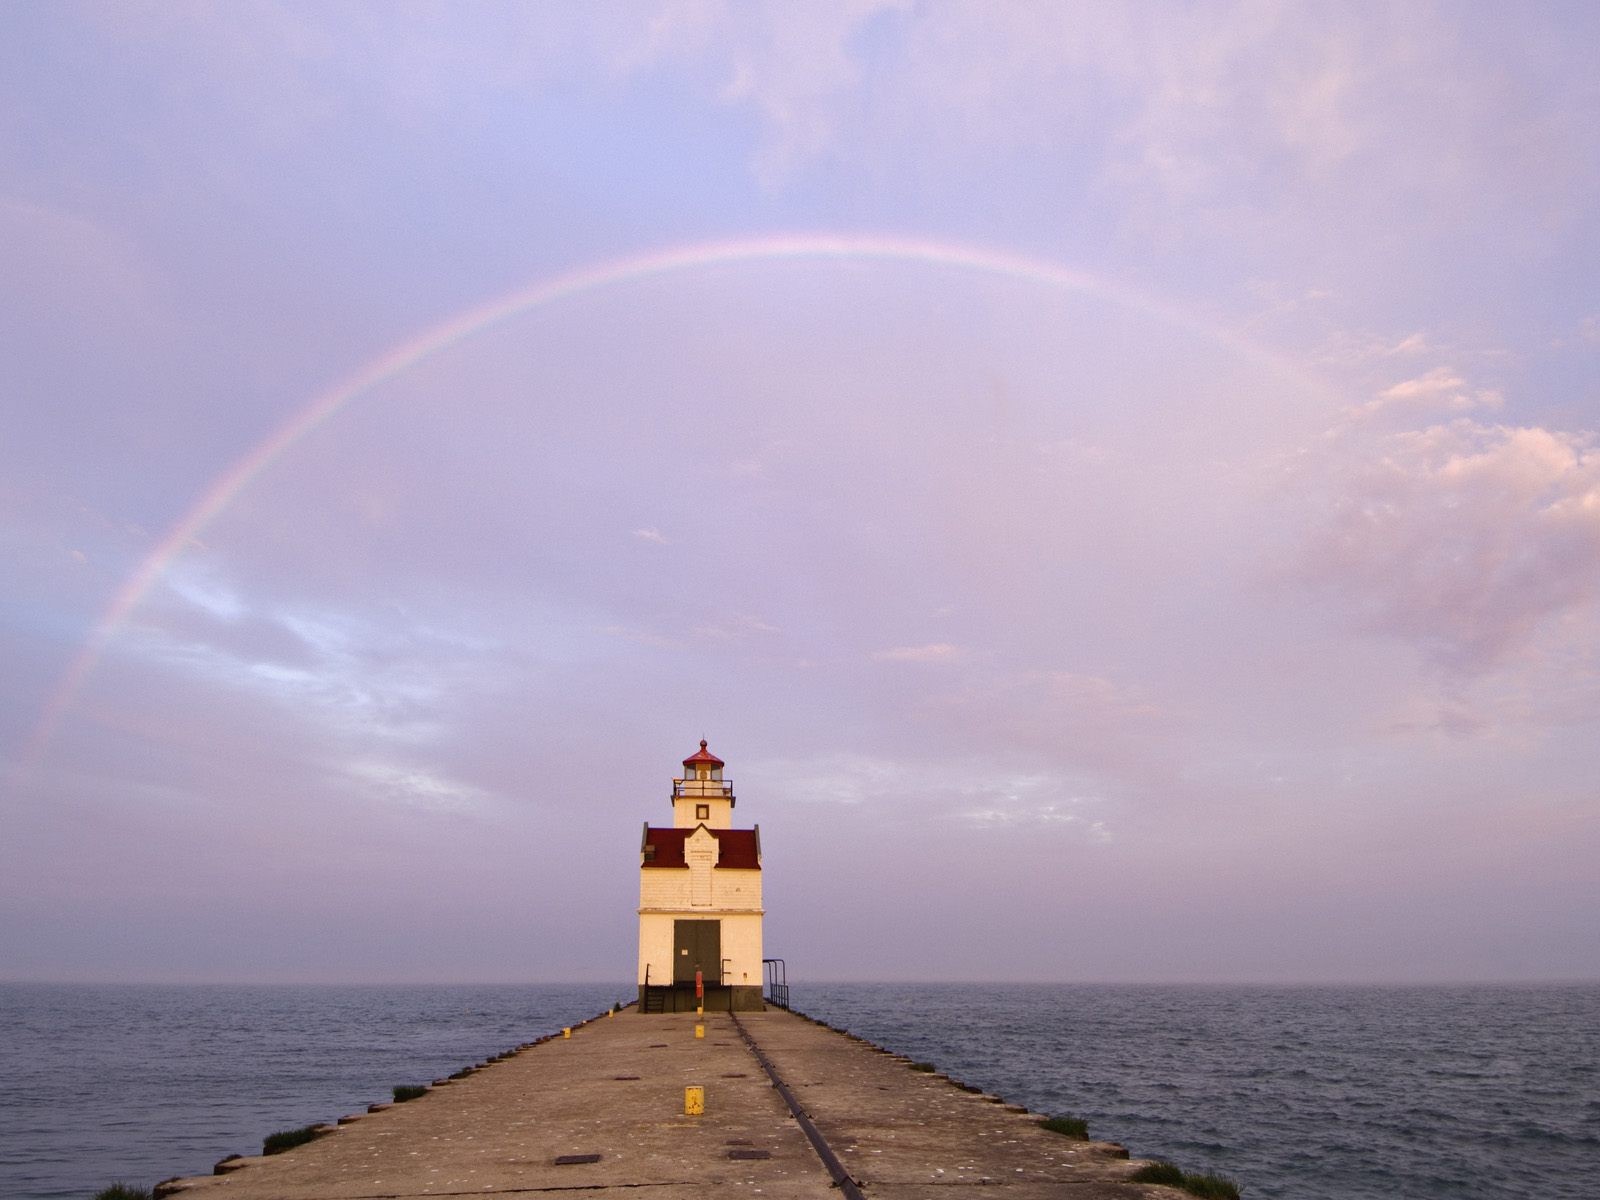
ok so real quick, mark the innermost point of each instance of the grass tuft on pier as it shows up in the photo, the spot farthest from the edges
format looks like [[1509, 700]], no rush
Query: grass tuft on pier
[[122, 1191], [288, 1139], [1208, 1187], [408, 1091], [1158, 1172], [925, 1068], [1072, 1127]]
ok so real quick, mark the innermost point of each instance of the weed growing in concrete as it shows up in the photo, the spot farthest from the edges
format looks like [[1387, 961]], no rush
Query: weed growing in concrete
[[1158, 1172], [1208, 1187], [288, 1139], [122, 1191], [926, 1068], [408, 1091], [1072, 1127]]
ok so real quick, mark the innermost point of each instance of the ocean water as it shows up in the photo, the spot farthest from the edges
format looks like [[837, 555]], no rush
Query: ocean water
[[101, 1084], [1316, 1093], [1358, 1093]]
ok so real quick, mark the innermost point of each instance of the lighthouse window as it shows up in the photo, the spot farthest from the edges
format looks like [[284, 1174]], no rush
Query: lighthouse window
[[702, 812]]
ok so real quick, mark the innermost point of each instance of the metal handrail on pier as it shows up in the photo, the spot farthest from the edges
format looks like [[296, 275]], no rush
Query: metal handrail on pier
[[777, 972]]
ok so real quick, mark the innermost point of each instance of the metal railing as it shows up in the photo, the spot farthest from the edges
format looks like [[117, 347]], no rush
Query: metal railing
[[653, 993], [777, 976], [712, 789]]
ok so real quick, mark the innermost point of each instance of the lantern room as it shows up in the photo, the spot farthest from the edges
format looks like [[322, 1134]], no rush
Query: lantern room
[[702, 796]]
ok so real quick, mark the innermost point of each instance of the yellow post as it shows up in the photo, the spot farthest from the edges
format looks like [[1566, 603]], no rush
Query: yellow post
[[566, 1031], [699, 1010], [699, 1031], [694, 1101]]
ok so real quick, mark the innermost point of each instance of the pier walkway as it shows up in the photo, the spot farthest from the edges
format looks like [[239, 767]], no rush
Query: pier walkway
[[604, 1110]]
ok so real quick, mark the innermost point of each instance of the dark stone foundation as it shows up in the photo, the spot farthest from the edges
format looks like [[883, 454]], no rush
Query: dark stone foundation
[[681, 998]]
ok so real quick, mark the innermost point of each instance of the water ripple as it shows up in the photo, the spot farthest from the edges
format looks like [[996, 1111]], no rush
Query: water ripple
[[1355, 1093]]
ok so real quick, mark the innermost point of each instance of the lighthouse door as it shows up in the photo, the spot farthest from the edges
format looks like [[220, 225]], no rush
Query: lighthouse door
[[696, 946]]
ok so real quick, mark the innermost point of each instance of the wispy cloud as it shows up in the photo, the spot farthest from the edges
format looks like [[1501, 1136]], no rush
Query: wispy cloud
[[416, 787], [734, 627], [931, 652], [640, 634]]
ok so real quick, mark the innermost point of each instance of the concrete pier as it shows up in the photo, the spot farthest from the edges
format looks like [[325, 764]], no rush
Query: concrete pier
[[605, 1110]]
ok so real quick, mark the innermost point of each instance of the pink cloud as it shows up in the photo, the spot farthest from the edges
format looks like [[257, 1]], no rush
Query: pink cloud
[[1462, 539], [1442, 388]]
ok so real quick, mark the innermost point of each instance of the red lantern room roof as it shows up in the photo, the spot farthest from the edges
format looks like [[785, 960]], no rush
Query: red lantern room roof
[[702, 757]]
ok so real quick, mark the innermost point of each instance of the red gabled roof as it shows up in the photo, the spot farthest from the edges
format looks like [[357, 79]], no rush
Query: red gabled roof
[[739, 849], [703, 756]]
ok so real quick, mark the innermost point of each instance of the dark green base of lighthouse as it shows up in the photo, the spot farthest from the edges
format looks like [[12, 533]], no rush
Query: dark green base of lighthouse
[[681, 998]]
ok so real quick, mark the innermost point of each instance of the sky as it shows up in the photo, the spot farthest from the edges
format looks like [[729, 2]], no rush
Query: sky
[[1118, 485]]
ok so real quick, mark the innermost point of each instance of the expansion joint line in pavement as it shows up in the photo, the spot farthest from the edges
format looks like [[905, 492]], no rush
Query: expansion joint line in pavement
[[841, 1178]]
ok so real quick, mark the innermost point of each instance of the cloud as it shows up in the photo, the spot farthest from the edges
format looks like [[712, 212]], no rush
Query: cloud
[[69, 266], [1452, 719], [1440, 379], [726, 628], [1345, 348], [932, 652], [651, 535], [1013, 810], [1462, 539], [734, 627], [641, 635], [362, 676], [1441, 388], [1068, 720], [416, 787], [971, 790]]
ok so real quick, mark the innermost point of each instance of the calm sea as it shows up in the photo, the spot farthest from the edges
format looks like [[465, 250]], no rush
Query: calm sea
[[1359, 1093]]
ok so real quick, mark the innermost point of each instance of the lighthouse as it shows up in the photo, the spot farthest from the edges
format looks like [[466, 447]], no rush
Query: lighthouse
[[700, 899]]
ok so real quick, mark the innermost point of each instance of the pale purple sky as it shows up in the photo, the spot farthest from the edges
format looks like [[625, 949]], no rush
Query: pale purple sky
[[1118, 485]]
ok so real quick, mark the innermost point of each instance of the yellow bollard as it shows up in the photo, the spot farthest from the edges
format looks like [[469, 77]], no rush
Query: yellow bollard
[[699, 1031], [694, 1101], [699, 1010], [566, 1031]]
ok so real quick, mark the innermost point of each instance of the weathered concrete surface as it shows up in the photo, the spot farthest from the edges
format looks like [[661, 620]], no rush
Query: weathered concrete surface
[[902, 1133], [500, 1131]]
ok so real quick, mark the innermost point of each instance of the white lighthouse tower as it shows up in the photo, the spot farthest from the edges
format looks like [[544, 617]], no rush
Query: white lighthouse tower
[[700, 899]]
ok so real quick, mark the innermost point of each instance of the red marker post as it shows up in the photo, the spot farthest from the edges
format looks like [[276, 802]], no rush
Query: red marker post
[[699, 986]]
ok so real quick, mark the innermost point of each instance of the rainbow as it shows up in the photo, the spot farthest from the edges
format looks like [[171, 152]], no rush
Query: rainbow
[[403, 357]]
